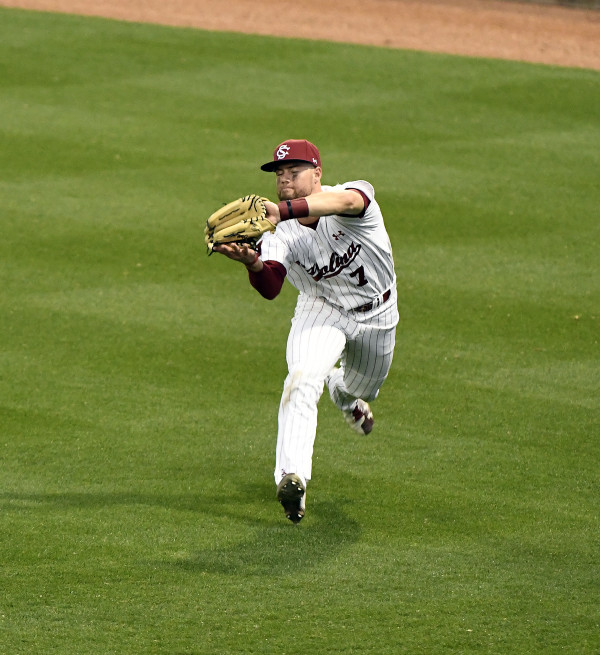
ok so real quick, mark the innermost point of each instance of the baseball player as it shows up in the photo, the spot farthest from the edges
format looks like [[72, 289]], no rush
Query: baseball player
[[330, 242]]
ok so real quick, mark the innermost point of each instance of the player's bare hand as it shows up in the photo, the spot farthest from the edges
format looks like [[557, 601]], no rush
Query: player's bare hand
[[237, 252], [272, 212]]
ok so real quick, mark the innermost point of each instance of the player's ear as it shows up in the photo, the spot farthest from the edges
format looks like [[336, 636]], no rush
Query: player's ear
[[317, 173]]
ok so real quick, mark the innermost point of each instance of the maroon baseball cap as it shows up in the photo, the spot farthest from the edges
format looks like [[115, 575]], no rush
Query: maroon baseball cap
[[293, 150]]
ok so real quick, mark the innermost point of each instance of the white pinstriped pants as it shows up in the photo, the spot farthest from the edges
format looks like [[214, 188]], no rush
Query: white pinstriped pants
[[320, 336]]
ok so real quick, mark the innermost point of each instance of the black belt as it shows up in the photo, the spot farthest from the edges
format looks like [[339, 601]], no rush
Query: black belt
[[369, 306]]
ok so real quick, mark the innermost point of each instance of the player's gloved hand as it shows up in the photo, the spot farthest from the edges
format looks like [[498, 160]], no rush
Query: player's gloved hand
[[242, 221]]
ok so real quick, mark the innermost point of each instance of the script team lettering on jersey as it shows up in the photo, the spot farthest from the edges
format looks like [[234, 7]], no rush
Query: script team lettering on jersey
[[337, 263]]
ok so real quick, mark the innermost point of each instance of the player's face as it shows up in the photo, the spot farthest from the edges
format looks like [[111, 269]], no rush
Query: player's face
[[296, 180]]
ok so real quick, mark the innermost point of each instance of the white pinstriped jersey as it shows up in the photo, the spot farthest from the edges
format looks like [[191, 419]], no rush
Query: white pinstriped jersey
[[346, 260]]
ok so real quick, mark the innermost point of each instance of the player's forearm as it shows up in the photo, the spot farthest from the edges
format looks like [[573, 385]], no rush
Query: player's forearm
[[268, 278], [334, 202], [255, 264], [309, 209]]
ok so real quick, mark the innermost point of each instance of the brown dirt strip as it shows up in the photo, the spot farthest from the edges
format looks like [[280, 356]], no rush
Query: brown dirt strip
[[529, 32]]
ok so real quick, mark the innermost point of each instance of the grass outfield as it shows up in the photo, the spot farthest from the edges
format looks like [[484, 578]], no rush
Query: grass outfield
[[139, 379]]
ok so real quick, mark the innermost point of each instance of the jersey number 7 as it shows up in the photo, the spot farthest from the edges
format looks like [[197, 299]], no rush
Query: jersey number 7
[[360, 274]]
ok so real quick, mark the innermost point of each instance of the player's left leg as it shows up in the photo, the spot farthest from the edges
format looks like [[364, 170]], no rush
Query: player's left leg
[[364, 367], [367, 361]]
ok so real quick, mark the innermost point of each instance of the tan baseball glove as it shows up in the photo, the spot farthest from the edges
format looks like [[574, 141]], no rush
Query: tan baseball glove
[[242, 221]]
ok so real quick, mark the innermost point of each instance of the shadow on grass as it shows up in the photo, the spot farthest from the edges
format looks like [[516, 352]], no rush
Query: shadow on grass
[[280, 548], [274, 545]]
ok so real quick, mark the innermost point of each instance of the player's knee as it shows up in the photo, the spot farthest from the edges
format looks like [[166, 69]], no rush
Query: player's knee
[[302, 389]]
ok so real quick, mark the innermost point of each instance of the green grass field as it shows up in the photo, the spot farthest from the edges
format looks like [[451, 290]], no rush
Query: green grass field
[[139, 379]]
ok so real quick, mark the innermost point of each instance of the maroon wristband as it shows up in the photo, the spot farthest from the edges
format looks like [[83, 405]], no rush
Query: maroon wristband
[[297, 208]]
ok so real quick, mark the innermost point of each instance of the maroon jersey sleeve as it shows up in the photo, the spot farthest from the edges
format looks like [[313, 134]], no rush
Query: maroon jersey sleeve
[[269, 280]]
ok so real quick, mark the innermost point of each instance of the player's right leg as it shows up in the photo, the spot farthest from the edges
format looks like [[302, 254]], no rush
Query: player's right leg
[[314, 345]]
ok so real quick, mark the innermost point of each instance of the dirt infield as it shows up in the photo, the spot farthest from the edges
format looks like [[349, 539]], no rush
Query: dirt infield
[[484, 28]]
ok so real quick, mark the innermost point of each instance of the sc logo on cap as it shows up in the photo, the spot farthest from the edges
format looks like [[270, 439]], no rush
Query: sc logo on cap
[[282, 151]]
